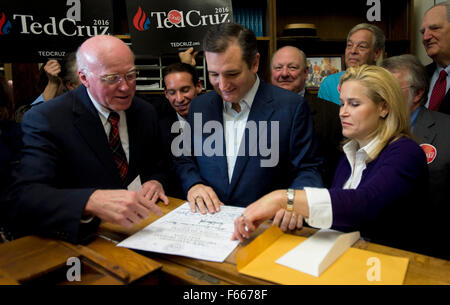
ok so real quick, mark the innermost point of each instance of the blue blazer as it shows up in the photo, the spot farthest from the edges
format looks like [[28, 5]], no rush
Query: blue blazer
[[66, 157], [297, 161]]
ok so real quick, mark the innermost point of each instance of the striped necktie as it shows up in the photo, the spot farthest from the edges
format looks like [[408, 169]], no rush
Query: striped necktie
[[438, 93], [116, 146]]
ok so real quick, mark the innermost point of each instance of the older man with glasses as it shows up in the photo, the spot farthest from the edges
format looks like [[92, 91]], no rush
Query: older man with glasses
[[82, 151], [365, 45]]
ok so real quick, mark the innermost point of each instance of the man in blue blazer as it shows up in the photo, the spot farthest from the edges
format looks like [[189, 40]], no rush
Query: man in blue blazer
[[70, 177], [247, 138]]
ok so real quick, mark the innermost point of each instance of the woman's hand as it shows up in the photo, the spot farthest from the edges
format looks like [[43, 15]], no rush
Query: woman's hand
[[288, 220], [258, 212]]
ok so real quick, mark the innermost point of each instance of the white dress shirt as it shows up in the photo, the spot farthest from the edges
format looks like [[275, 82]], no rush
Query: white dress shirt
[[234, 126], [182, 121], [319, 200], [103, 113]]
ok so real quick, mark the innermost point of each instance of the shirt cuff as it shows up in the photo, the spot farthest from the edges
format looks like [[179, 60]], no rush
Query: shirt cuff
[[87, 219], [320, 210]]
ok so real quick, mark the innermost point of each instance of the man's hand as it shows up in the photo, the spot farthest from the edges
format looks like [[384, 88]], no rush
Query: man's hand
[[52, 68], [188, 56], [153, 190], [121, 207], [205, 198]]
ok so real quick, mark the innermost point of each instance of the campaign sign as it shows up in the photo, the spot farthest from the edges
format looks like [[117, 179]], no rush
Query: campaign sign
[[169, 26], [34, 31]]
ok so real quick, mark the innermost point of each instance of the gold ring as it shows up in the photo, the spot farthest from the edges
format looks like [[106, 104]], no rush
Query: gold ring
[[196, 197], [243, 216]]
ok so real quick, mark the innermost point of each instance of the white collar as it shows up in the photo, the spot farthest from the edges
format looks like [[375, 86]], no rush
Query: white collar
[[180, 118], [352, 147], [102, 110], [247, 99], [440, 68]]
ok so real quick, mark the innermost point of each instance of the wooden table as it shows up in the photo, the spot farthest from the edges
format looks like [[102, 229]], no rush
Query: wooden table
[[422, 270], [38, 260]]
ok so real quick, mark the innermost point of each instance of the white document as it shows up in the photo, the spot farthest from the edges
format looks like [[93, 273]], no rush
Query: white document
[[318, 252], [182, 232], [136, 185]]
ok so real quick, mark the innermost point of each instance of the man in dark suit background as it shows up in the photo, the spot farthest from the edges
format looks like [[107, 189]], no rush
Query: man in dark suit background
[[82, 150], [231, 122], [435, 31], [431, 129], [290, 71], [181, 86]]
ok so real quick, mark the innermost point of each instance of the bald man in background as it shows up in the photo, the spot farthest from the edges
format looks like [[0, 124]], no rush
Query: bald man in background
[[83, 150], [290, 71]]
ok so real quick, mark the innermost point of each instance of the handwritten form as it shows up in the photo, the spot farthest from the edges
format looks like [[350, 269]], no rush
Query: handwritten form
[[181, 232]]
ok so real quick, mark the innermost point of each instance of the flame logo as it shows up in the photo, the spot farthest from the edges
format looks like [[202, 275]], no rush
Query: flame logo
[[140, 20], [5, 25]]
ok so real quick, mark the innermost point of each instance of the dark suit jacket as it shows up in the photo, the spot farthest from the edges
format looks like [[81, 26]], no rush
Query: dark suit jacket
[[66, 157], [297, 161], [10, 144], [166, 117], [445, 105], [328, 128], [389, 203], [433, 128]]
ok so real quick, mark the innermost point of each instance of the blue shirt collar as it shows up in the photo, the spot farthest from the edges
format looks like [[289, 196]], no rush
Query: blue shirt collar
[[414, 117]]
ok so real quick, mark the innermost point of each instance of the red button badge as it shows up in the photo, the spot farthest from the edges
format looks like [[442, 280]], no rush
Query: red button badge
[[430, 152]]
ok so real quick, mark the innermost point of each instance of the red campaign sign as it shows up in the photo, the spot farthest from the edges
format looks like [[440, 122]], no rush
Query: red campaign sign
[[430, 152], [170, 26]]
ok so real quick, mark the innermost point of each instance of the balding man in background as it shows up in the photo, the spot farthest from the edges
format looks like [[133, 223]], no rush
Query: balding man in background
[[83, 150], [290, 71]]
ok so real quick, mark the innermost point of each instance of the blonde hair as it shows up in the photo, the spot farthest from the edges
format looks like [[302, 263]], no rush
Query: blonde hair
[[382, 87]]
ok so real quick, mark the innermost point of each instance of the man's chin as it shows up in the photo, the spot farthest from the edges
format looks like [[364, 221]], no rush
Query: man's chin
[[352, 64], [286, 86], [432, 52], [227, 98], [122, 106]]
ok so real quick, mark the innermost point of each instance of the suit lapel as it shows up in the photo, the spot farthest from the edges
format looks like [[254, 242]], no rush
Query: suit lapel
[[90, 127], [424, 128], [216, 114], [133, 142], [445, 105], [261, 110]]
